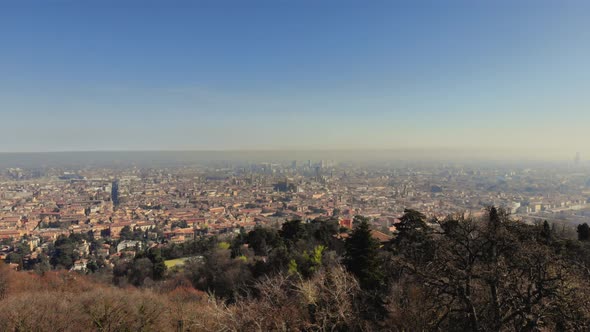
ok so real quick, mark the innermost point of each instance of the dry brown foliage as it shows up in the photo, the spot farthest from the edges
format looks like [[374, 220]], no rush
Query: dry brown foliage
[[63, 301]]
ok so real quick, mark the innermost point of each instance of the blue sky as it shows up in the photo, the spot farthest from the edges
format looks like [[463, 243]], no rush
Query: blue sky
[[150, 75]]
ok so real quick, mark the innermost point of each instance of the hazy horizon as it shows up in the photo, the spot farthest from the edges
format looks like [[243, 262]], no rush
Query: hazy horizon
[[510, 78], [367, 157]]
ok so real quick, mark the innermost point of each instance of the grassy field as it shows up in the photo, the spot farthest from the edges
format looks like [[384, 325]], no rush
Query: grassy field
[[175, 262]]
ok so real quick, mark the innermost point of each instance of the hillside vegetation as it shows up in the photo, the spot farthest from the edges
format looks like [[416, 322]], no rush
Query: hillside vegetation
[[457, 274]]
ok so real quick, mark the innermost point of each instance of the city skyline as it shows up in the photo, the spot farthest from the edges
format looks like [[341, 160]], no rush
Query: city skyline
[[295, 76]]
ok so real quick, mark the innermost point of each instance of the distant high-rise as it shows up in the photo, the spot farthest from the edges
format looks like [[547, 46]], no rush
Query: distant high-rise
[[115, 193], [578, 158], [318, 174]]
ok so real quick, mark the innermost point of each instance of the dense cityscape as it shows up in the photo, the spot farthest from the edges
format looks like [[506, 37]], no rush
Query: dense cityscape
[[176, 204]]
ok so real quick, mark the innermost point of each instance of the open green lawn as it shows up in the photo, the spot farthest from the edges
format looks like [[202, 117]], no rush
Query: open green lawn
[[175, 262]]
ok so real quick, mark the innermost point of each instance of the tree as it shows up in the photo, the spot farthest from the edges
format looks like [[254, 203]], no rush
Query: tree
[[126, 233], [105, 232], [413, 237], [324, 231], [4, 280], [262, 240], [140, 270], [180, 224], [494, 276], [311, 261], [546, 231], [293, 230], [583, 232], [411, 223], [361, 257], [63, 254], [14, 257], [218, 273], [160, 267], [92, 266]]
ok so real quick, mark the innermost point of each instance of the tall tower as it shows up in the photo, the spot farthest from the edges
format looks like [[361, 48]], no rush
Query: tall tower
[[115, 193], [578, 158], [318, 173]]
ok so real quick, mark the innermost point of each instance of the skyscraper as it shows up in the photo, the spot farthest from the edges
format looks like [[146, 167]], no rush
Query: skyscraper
[[115, 193]]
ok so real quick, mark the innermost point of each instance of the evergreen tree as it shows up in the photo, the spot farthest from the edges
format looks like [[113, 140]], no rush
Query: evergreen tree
[[324, 232], [159, 267], [141, 269], [236, 245], [361, 257], [583, 232], [292, 231], [412, 226], [126, 233], [63, 254], [262, 240], [546, 232], [413, 239]]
